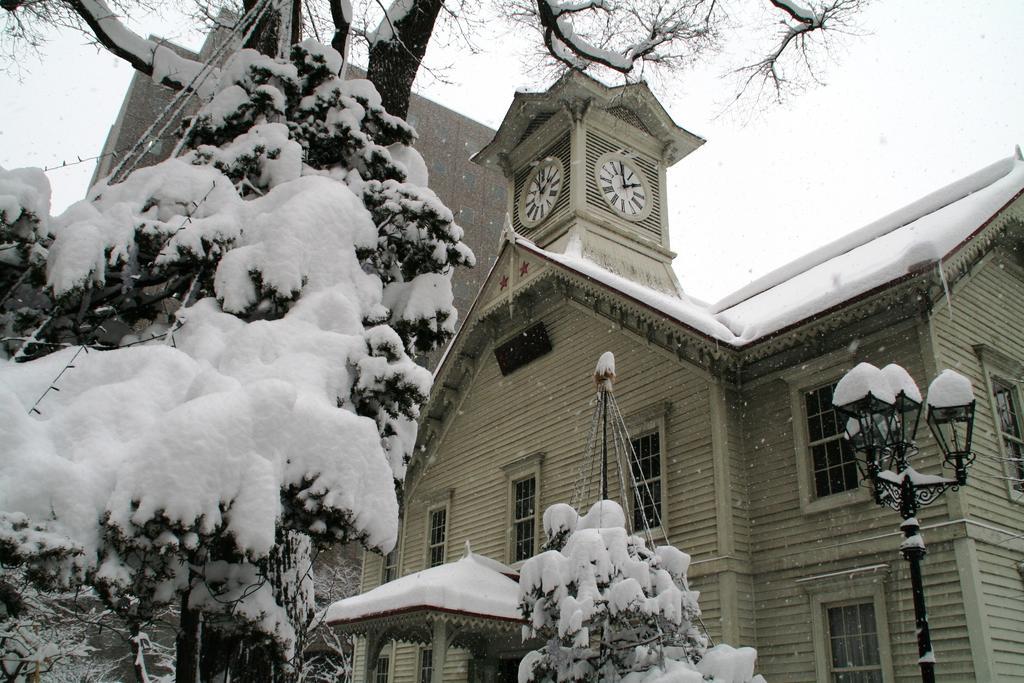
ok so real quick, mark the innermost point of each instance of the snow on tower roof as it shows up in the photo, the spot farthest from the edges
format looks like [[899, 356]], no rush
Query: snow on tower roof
[[679, 308], [906, 242], [474, 585]]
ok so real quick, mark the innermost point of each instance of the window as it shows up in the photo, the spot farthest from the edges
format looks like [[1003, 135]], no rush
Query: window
[[1005, 403], [523, 486], [646, 467], [853, 644], [833, 465], [390, 571], [436, 537], [524, 518], [848, 623], [380, 672], [1008, 417], [426, 664]]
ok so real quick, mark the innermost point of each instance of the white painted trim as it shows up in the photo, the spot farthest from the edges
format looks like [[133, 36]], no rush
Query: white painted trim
[[973, 595], [722, 476], [648, 420], [1009, 371], [846, 591], [809, 502], [846, 572], [516, 471], [430, 509]]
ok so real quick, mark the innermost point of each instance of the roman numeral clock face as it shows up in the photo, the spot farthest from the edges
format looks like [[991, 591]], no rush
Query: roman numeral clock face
[[622, 186], [541, 192]]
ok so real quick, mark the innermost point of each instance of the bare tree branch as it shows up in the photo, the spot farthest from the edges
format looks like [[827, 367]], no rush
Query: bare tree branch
[[341, 15], [797, 31]]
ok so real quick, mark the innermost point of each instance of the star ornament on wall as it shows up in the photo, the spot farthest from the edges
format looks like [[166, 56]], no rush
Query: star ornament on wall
[[504, 281], [524, 267]]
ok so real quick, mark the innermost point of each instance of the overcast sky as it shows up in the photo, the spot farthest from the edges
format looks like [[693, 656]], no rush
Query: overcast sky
[[929, 92]]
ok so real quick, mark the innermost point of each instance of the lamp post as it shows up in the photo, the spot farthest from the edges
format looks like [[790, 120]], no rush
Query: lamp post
[[882, 409]]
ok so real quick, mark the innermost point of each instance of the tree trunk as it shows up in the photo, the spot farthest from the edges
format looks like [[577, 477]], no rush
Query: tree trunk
[[265, 38], [138, 652], [187, 645], [288, 572], [394, 63]]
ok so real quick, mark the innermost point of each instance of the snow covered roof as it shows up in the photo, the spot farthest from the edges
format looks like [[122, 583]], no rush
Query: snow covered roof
[[474, 585], [679, 308], [906, 242]]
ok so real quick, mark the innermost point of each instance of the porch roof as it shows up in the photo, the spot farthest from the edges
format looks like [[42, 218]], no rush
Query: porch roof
[[473, 588]]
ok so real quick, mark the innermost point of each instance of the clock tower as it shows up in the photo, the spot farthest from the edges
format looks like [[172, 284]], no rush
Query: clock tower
[[585, 164]]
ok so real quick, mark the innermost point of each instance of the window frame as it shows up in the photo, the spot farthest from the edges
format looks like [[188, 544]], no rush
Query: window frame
[[384, 566], [999, 367], [1014, 470], [516, 520], [833, 670], [427, 556], [800, 383], [837, 437], [518, 470], [388, 655], [661, 481], [641, 423], [419, 664], [854, 589]]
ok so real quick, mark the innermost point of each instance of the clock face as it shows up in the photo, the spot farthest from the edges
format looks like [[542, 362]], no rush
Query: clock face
[[541, 192], [622, 186]]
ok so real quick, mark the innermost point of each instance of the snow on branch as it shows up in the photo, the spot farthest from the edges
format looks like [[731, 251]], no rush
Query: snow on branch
[[578, 33], [159, 62], [797, 12]]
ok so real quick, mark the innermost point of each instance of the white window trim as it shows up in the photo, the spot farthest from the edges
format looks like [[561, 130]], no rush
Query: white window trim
[[398, 560], [641, 423], [847, 589], [799, 384], [1009, 371], [419, 662], [447, 533], [517, 470], [387, 652]]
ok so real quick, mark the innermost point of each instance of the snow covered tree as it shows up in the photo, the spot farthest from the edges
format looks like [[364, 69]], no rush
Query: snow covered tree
[[251, 307], [610, 608], [619, 38]]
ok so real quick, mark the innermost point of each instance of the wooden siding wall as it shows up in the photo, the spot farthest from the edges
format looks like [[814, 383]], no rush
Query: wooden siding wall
[[1003, 598], [405, 659], [786, 555], [988, 308], [791, 545], [546, 407]]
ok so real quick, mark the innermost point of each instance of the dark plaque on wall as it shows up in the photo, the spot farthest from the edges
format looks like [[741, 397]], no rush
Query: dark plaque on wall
[[531, 343]]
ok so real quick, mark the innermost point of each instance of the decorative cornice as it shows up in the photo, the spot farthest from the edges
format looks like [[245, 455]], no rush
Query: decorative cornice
[[910, 295]]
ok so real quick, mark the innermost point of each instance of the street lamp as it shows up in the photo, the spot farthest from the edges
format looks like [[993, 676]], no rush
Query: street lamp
[[882, 410]]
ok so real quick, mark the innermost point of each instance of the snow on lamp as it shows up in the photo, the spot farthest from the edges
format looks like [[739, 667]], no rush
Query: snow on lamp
[[861, 395], [908, 402], [951, 419], [864, 398]]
